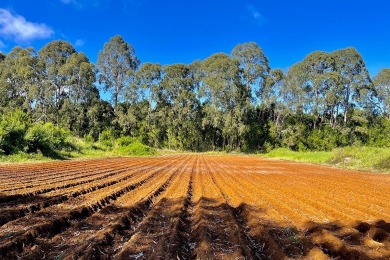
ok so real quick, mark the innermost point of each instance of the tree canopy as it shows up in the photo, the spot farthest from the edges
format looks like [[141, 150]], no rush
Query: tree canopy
[[226, 102]]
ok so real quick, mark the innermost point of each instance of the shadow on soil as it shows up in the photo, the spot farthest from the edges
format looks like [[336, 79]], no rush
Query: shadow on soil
[[205, 229]]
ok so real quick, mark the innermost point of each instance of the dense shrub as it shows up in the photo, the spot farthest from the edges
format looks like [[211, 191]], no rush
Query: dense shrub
[[323, 139], [125, 141], [136, 148], [88, 138], [13, 126], [107, 138], [46, 138]]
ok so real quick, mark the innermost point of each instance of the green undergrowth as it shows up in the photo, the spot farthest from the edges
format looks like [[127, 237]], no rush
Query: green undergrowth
[[136, 149], [313, 157], [82, 149], [374, 159]]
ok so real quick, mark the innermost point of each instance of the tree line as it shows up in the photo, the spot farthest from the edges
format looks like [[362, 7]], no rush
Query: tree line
[[231, 102]]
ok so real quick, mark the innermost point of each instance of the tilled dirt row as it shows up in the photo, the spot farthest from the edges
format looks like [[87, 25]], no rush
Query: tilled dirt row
[[192, 207]]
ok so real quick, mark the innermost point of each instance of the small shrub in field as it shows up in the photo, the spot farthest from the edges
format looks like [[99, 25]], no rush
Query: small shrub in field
[[46, 137], [125, 141], [107, 138], [88, 138], [136, 148], [13, 126], [383, 164]]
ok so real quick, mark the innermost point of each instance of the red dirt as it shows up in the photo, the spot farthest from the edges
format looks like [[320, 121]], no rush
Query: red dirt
[[192, 206]]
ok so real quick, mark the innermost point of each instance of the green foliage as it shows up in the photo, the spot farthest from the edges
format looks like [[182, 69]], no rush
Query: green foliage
[[136, 148], [107, 138], [226, 102], [46, 138], [361, 158], [379, 133], [117, 63], [88, 138], [307, 156], [125, 141], [324, 139], [13, 126]]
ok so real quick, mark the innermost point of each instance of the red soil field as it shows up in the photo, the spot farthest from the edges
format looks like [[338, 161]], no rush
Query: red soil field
[[192, 206]]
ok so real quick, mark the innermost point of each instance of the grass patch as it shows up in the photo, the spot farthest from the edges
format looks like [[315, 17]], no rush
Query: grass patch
[[364, 158], [81, 149], [287, 154], [24, 157]]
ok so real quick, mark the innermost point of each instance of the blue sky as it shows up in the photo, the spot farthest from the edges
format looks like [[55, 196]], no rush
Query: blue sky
[[182, 31]]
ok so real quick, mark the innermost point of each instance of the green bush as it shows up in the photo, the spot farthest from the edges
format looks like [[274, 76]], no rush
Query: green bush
[[46, 138], [136, 149], [107, 138], [323, 139], [125, 141], [13, 126], [88, 138]]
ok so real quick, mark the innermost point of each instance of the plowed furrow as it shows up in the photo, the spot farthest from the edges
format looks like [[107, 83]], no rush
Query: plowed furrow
[[98, 230], [306, 205], [18, 212], [261, 245], [276, 193], [250, 248], [53, 174], [45, 186], [159, 225], [181, 239], [60, 224]]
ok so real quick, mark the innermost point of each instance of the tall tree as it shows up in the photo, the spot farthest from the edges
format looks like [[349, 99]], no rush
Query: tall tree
[[382, 86], [148, 78], [254, 66], [181, 108], [81, 77], [117, 64], [224, 99], [19, 74], [350, 64], [54, 56]]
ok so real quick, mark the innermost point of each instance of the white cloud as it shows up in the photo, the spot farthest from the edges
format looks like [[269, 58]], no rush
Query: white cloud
[[81, 3], [255, 14], [79, 43], [17, 28]]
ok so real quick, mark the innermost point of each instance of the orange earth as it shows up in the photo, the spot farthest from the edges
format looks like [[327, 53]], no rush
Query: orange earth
[[192, 206]]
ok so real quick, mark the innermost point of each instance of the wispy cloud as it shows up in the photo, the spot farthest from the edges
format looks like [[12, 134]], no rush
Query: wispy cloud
[[82, 3], [126, 5], [79, 43], [19, 29], [255, 14]]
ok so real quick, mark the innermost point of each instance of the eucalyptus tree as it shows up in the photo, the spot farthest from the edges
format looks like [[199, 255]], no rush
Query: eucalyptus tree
[[315, 65], [81, 77], [382, 86], [177, 99], [19, 74], [224, 99], [55, 85], [294, 93], [117, 64], [254, 65], [148, 77], [332, 84], [357, 83], [271, 97]]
